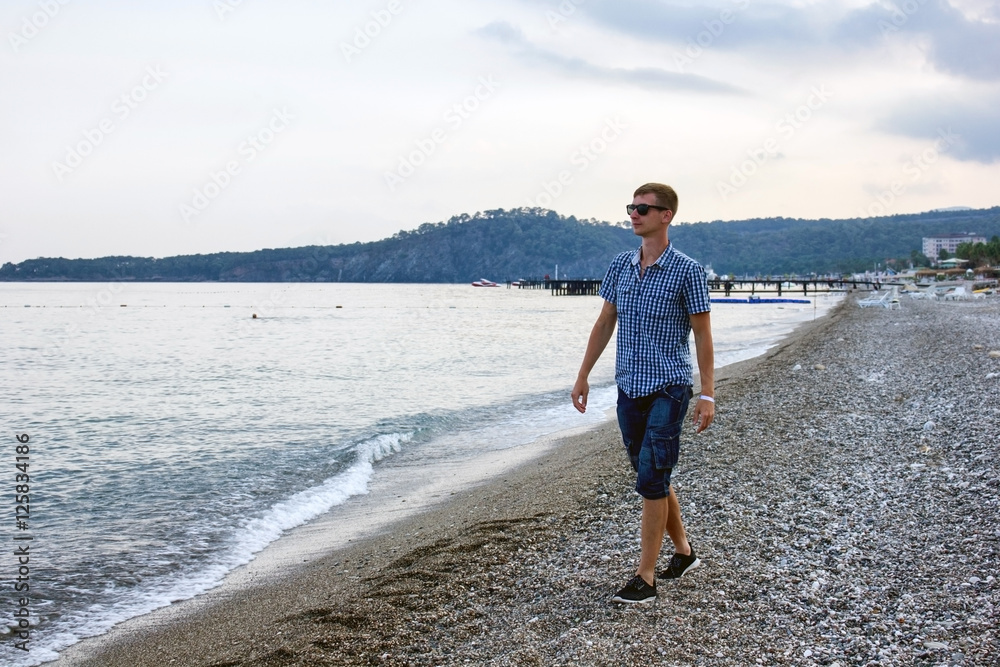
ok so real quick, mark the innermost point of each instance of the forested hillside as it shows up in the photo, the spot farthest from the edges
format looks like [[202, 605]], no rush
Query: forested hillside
[[509, 244], [778, 246]]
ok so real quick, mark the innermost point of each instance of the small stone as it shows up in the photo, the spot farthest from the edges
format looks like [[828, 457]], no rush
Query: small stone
[[929, 425], [974, 580], [994, 354], [977, 346], [935, 645], [797, 367], [819, 367], [807, 654]]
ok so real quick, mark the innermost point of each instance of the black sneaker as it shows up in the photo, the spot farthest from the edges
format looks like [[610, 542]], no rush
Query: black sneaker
[[636, 590], [679, 565]]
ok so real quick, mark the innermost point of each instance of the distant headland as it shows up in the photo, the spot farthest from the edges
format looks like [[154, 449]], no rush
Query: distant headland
[[530, 242]]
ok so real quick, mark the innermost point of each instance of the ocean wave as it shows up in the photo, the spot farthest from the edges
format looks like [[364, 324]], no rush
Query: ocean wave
[[255, 534]]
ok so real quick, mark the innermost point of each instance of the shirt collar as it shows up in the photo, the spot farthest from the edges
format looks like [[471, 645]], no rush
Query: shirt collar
[[661, 261]]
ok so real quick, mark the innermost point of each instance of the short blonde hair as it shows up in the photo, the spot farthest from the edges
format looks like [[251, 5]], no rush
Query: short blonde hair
[[665, 195]]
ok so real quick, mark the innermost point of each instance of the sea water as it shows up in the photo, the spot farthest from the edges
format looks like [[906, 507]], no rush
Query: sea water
[[174, 430]]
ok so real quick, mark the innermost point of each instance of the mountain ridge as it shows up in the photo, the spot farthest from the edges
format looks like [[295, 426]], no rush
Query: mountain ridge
[[529, 242]]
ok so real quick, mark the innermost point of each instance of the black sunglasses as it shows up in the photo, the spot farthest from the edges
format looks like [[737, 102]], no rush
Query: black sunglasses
[[643, 208]]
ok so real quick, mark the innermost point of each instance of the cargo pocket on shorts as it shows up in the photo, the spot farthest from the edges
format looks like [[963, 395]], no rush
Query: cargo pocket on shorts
[[666, 444]]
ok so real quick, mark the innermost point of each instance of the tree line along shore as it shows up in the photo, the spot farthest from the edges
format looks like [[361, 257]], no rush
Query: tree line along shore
[[530, 243]]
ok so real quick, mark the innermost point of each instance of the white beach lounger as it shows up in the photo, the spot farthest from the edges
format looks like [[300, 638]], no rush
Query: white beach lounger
[[881, 300]]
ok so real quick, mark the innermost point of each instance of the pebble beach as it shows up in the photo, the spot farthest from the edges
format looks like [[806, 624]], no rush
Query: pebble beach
[[844, 504]]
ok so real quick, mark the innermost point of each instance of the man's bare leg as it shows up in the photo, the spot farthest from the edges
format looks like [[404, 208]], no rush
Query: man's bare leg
[[660, 517], [675, 527], [653, 527]]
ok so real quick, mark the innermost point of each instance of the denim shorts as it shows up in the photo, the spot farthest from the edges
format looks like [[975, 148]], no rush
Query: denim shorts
[[651, 430]]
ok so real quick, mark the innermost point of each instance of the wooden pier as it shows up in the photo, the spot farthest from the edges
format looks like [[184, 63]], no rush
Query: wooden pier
[[738, 286], [574, 287], [791, 286], [561, 287]]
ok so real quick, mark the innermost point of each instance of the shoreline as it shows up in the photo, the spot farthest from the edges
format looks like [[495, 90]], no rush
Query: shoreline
[[354, 527], [336, 570], [294, 554], [519, 570]]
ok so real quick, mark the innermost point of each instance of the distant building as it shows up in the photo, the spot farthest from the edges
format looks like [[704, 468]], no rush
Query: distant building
[[933, 245]]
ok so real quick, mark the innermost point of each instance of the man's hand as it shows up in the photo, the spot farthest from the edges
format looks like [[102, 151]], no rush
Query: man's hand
[[599, 337], [704, 413], [580, 391]]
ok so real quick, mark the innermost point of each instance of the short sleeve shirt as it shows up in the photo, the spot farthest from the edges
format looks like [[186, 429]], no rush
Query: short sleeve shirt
[[653, 318]]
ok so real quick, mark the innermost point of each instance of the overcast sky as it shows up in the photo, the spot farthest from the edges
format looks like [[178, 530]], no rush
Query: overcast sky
[[193, 126]]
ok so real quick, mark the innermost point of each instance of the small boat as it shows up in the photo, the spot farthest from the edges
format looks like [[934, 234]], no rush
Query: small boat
[[483, 282]]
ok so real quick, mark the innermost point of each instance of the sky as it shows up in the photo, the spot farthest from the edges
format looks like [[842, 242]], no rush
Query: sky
[[198, 126]]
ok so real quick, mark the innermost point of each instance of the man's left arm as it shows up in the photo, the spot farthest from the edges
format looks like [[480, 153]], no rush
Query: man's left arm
[[704, 411]]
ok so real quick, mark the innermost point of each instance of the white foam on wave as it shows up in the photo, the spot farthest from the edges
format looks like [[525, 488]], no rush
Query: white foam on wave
[[310, 503], [525, 426], [256, 534]]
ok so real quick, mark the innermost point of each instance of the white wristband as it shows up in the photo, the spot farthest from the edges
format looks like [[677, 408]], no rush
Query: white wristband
[[707, 398]]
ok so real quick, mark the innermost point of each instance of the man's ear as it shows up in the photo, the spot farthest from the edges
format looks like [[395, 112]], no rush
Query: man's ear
[[668, 217]]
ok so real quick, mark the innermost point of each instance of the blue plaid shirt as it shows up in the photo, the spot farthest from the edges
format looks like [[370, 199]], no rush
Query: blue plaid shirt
[[653, 318]]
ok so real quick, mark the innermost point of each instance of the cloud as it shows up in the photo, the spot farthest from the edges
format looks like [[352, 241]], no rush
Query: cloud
[[956, 43], [974, 122], [647, 77], [735, 24]]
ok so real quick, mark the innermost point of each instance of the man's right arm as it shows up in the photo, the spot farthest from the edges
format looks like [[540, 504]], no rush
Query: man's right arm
[[600, 335]]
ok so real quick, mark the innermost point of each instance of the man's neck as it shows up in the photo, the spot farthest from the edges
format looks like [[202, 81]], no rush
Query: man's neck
[[652, 248]]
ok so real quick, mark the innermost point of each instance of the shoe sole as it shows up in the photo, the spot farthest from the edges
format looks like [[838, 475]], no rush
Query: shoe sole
[[624, 601], [696, 563]]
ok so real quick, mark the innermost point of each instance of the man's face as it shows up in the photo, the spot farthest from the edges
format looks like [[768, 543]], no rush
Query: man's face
[[655, 220]]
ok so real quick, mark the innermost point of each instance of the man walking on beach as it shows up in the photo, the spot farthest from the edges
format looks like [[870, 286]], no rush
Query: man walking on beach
[[657, 296]]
